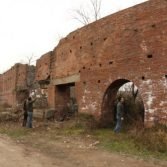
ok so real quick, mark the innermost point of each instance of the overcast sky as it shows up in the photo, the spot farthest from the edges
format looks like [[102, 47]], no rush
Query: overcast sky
[[33, 27]]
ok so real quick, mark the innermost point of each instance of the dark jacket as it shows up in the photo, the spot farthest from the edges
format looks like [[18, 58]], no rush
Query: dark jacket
[[25, 106], [30, 105]]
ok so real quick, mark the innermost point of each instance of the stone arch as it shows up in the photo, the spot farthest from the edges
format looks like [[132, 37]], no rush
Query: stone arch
[[108, 110]]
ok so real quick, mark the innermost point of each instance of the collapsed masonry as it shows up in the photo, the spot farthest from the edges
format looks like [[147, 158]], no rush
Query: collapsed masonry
[[92, 63]]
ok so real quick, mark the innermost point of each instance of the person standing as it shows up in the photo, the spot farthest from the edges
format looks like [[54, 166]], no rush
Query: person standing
[[25, 114], [119, 114], [30, 111]]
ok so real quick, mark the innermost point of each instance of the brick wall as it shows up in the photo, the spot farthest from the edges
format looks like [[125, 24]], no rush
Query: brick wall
[[130, 45], [43, 67], [13, 85]]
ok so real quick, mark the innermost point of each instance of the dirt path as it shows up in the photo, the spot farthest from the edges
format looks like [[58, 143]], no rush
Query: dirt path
[[12, 154], [63, 154]]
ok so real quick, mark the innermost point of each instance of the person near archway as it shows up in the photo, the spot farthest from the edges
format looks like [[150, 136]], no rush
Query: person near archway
[[30, 112], [119, 114], [25, 112]]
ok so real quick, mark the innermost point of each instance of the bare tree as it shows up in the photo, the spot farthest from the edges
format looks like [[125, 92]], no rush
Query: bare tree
[[30, 59], [82, 16], [30, 71], [96, 4], [85, 17]]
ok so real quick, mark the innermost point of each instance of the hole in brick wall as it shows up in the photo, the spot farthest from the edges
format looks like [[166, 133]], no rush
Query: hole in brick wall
[[100, 64], [166, 76], [105, 38], [143, 77], [84, 83], [110, 62], [80, 47], [135, 30], [79, 71], [83, 67], [91, 43], [73, 37], [99, 81], [153, 25], [149, 56], [70, 51]]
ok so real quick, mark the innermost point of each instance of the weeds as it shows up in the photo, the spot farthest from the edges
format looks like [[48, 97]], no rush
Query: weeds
[[140, 142], [13, 131]]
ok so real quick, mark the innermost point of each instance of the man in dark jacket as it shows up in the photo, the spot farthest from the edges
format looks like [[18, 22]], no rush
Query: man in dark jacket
[[119, 114], [25, 113], [30, 111]]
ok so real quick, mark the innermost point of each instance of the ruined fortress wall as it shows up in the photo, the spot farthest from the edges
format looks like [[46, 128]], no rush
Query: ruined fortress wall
[[12, 81], [43, 67], [21, 74], [129, 45], [8, 85], [114, 37]]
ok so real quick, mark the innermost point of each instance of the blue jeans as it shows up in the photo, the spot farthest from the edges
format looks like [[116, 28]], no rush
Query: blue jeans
[[118, 125], [29, 120]]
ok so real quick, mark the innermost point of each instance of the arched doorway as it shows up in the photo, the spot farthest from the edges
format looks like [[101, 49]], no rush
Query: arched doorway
[[133, 105]]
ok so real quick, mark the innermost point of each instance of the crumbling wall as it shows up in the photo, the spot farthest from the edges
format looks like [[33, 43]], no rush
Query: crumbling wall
[[43, 67], [14, 88], [129, 45]]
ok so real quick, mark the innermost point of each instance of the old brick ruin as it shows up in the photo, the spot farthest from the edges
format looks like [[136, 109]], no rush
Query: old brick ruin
[[93, 62], [15, 84]]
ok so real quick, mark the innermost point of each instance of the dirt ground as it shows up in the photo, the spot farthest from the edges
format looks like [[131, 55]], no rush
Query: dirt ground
[[64, 153]]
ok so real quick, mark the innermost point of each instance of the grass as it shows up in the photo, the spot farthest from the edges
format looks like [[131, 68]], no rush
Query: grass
[[14, 132], [147, 143]]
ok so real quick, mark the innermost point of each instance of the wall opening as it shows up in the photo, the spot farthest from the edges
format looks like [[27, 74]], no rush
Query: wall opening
[[133, 105], [166, 76], [110, 62], [105, 38], [143, 77], [135, 30], [149, 56], [153, 25], [66, 102]]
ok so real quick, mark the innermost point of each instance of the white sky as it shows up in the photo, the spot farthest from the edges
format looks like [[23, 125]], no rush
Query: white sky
[[33, 27]]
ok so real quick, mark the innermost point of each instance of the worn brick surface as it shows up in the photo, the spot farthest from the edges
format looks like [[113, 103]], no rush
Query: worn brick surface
[[13, 84], [43, 67], [130, 45]]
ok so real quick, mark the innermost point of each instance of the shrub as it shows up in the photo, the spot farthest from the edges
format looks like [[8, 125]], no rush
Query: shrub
[[154, 139]]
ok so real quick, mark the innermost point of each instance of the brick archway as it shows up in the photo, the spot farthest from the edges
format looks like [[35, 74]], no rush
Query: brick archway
[[108, 108]]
